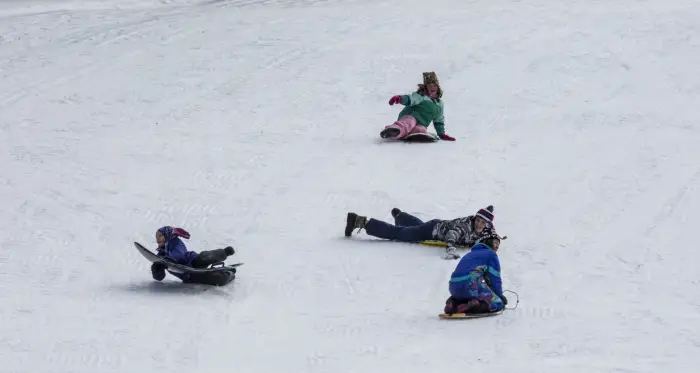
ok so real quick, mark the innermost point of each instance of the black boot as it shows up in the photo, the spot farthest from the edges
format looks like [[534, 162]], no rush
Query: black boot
[[449, 306], [353, 222], [158, 271], [229, 250], [473, 306], [388, 133], [395, 212]]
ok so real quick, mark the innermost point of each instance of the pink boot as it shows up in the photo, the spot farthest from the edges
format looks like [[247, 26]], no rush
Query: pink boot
[[401, 128]]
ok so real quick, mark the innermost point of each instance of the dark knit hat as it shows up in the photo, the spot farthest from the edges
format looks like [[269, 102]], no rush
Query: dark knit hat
[[486, 214], [487, 235]]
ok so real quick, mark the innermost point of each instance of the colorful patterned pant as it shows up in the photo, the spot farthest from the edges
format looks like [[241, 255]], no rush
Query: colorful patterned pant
[[473, 286]]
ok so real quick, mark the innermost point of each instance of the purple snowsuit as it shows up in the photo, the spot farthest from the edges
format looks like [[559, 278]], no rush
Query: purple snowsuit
[[175, 249]]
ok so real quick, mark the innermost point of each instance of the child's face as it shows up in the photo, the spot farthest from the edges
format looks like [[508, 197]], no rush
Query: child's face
[[160, 239], [479, 224], [495, 244], [432, 89]]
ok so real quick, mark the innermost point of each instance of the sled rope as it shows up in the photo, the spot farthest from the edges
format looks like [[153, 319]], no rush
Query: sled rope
[[517, 299]]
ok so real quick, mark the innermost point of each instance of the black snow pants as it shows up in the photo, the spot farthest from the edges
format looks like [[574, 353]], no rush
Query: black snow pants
[[206, 258]]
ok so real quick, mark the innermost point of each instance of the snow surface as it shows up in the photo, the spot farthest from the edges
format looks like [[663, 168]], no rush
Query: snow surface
[[255, 123]]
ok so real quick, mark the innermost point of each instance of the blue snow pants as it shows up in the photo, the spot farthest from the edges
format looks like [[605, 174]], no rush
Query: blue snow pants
[[408, 228]]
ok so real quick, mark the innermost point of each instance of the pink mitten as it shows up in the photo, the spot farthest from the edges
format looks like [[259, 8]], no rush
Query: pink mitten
[[395, 100], [446, 137]]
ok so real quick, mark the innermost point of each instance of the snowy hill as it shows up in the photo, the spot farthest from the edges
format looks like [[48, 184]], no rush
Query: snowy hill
[[255, 124]]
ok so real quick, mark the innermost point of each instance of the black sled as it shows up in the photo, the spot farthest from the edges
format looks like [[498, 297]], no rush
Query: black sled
[[217, 274]]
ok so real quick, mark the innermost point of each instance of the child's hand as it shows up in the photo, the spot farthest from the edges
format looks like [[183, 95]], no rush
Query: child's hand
[[395, 100], [446, 137]]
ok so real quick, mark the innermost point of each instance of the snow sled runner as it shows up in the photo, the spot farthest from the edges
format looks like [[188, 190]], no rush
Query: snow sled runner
[[217, 274], [390, 133], [459, 316], [420, 137], [441, 244]]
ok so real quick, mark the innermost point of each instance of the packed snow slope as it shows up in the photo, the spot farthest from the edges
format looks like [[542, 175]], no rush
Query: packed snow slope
[[256, 124]]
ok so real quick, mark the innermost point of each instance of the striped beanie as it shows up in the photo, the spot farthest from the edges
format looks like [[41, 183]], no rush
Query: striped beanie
[[486, 214]]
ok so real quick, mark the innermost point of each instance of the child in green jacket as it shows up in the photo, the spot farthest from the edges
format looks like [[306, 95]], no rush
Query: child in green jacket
[[422, 107]]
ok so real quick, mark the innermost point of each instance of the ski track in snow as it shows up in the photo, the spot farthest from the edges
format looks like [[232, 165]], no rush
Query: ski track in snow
[[254, 123]]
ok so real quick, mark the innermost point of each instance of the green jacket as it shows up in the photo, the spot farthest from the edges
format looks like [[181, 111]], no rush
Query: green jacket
[[425, 110]]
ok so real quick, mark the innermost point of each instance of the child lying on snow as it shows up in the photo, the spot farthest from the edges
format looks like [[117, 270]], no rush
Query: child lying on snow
[[171, 247], [475, 285], [461, 231]]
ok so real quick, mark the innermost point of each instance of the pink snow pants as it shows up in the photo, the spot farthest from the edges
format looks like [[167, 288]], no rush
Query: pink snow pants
[[407, 125]]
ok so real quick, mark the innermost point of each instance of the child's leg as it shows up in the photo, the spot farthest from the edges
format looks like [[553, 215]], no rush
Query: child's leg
[[418, 129], [209, 257], [466, 296], [219, 278], [158, 271], [399, 129], [404, 219], [466, 289], [380, 229], [487, 296]]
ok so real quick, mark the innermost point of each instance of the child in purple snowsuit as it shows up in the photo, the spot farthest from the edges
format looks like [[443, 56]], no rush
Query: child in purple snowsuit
[[171, 248], [475, 285]]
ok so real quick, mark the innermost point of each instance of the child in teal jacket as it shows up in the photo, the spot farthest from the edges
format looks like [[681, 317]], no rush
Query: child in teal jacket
[[422, 107]]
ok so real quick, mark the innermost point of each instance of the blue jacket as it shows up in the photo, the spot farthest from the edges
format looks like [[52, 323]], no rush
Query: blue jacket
[[483, 260], [176, 250]]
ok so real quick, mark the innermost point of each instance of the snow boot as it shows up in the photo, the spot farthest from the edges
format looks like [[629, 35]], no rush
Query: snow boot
[[158, 271], [482, 307], [229, 250], [467, 307], [389, 133], [354, 221], [450, 305], [472, 306], [395, 212]]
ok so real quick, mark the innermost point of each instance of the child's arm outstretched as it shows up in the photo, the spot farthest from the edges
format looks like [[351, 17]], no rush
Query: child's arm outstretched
[[407, 100]]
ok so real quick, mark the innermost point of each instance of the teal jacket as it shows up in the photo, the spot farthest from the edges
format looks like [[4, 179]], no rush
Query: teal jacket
[[425, 110]]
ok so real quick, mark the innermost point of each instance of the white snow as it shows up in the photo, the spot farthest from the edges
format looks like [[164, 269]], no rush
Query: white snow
[[255, 123]]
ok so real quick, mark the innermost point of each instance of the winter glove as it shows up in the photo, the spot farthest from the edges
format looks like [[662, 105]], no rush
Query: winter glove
[[395, 100], [505, 300], [446, 137], [451, 253]]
